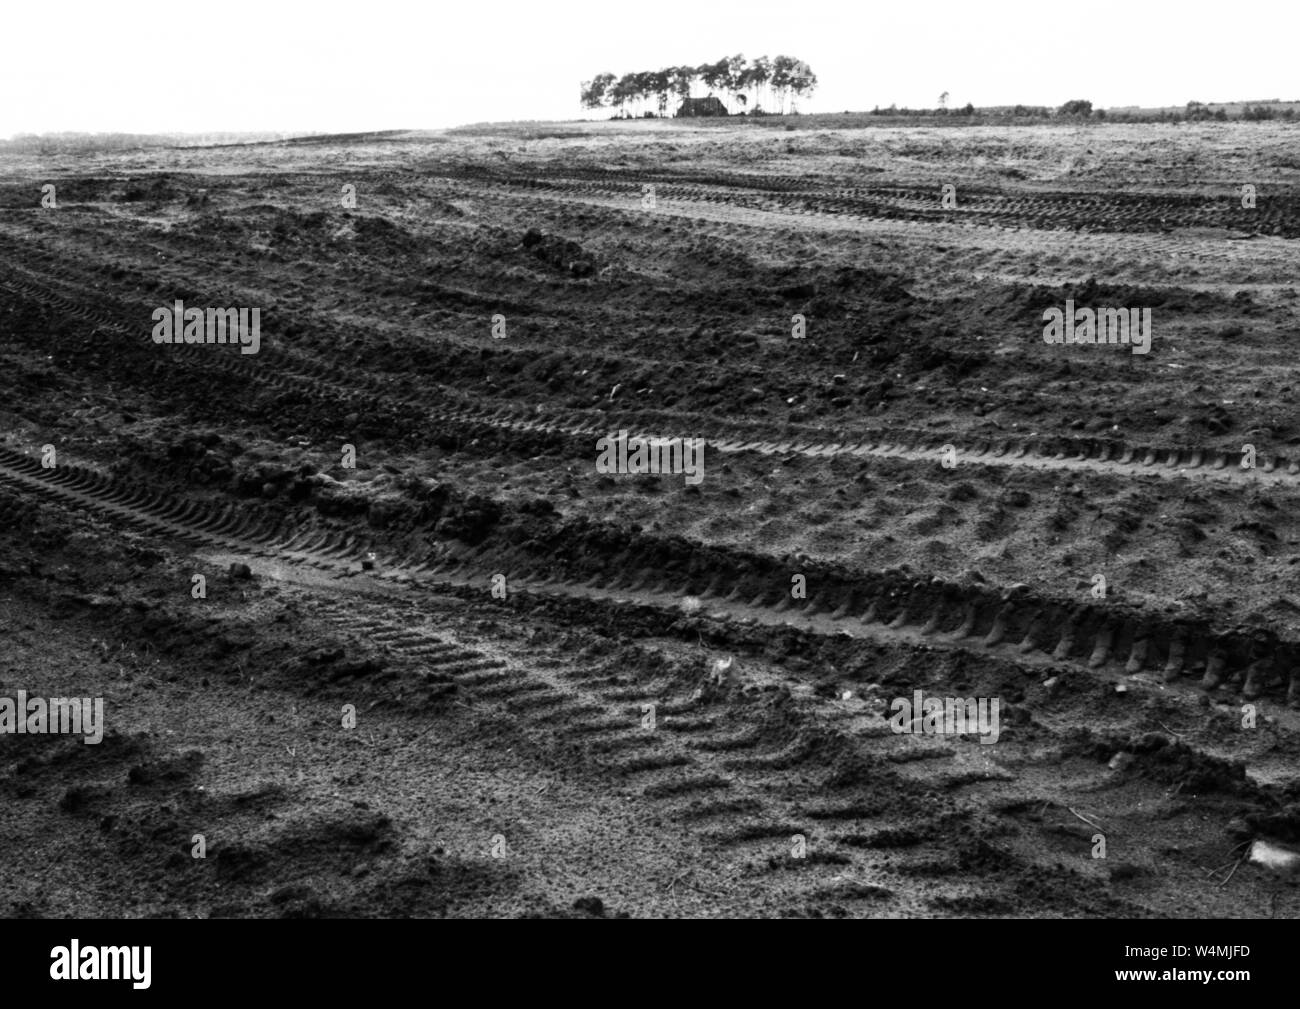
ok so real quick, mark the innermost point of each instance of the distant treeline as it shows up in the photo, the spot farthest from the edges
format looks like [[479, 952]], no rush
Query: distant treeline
[[1078, 108], [1250, 113], [77, 143], [1082, 109], [777, 81]]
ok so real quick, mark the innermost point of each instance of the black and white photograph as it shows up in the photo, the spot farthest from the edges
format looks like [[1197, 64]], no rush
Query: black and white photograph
[[567, 461]]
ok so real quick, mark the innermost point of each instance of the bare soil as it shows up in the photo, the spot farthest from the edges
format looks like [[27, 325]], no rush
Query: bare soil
[[645, 721]]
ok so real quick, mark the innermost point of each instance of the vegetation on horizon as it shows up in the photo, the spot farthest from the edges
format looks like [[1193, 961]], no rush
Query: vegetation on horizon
[[1082, 109], [778, 80], [77, 143]]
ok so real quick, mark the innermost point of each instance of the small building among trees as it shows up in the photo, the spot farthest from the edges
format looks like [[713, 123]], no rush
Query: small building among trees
[[710, 106]]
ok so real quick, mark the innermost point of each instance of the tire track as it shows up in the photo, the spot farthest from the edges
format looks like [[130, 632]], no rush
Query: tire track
[[719, 767], [1108, 247], [1037, 210], [288, 372], [886, 607]]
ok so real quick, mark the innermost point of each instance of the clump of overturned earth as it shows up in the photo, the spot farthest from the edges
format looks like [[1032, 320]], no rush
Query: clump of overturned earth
[[561, 253]]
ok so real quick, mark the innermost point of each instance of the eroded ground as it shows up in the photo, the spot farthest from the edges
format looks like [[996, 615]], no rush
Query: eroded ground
[[648, 723]]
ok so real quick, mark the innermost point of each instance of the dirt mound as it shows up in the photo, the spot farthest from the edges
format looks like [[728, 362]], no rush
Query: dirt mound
[[1166, 760], [562, 254]]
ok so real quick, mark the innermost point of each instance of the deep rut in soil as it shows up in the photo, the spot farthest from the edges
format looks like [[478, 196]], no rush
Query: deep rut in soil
[[1022, 628]]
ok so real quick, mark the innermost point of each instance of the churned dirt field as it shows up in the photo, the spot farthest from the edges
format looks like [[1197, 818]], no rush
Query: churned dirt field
[[471, 675]]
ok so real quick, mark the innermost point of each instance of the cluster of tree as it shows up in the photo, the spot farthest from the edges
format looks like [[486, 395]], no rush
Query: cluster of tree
[[1257, 112], [1082, 109], [1197, 112], [966, 110], [1078, 107], [757, 86]]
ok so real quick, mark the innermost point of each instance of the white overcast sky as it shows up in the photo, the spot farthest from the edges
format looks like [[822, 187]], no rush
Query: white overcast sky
[[173, 65]]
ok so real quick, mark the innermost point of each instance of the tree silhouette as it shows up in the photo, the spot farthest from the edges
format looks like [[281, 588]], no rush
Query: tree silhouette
[[645, 88], [661, 88], [756, 86], [735, 84], [1076, 107], [802, 80], [623, 92], [760, 75], [715, 76], [595, 92], [681, 80], [781, 71]]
